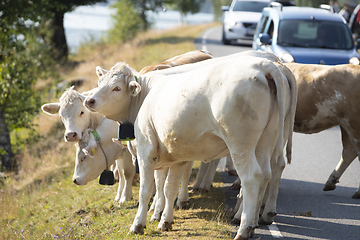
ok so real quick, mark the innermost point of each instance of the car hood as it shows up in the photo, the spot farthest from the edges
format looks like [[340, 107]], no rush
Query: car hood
[[239, 16], [321, 56]]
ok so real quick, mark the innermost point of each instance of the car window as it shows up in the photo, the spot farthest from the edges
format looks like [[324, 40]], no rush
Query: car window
[[270, 31], [250, 6], [314, 34], [264, 24]]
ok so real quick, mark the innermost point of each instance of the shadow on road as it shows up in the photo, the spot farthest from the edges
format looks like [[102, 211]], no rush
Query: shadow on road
[[305, 211]]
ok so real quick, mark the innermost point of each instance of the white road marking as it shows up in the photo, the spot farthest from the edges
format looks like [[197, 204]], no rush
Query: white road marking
[[274, 230], [204, 38]]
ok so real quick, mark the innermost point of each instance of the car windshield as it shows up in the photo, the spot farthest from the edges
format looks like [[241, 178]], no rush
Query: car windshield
[[314, 34], [250, 6]]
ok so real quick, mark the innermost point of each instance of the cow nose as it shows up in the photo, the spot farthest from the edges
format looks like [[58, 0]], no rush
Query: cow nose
[[71, 136], [74, 181]]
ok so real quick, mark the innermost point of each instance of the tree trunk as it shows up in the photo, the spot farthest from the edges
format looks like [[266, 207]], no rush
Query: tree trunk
[[143, 15], [6, 153], [58, 36]]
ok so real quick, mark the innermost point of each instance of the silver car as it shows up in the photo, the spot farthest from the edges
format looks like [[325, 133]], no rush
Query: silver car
[[240, 19]]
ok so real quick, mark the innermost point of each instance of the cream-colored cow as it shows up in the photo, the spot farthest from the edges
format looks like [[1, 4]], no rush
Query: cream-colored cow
[[235, 105]]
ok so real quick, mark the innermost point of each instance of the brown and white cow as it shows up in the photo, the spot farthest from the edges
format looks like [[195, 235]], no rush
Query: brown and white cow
[[328, 96], [186, 58], [234, 105]]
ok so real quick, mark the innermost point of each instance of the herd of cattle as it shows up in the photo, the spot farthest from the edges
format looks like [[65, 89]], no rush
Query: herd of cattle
[[192, 107]]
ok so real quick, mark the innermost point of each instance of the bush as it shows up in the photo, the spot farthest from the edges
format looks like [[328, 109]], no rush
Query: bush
[[126, 23]]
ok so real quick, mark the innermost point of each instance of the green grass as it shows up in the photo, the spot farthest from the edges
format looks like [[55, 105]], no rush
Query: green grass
[[55, 207]]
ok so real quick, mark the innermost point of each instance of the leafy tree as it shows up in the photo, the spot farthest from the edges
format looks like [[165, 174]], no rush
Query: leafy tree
[[23, 59], [125, 22], [52, 12], [184, 6]]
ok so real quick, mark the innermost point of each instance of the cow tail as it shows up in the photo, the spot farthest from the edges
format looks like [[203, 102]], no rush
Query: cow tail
[[291, 114], [294, 90], [274, 76]]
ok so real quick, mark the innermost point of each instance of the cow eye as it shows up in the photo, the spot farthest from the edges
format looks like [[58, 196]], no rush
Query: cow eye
[[82, 159], [117, 89], [82, 112]]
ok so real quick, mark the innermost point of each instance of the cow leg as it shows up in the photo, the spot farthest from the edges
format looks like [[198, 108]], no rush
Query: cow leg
[[128, 169], [236, 214], [209, 176], [250, 172], [348, 156], [171, 190], [236, 184], [230, 166], [120, 190], [114, 168], [270, 198], [183, 199], [159, 198], [145, 193], [200, 176]]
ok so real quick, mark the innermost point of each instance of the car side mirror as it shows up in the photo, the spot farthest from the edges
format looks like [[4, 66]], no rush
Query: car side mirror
[[265, 38], [225, 8], [358, 43]]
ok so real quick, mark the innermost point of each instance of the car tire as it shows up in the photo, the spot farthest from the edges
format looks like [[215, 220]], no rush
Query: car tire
[[224, 40]]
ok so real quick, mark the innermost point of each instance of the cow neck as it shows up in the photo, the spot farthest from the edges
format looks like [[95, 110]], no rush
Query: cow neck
[[97, 139], [95, 120], [137, 101]]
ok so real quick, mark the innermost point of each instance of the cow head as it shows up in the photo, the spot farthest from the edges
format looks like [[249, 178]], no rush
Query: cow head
[[114, 92], [90, 159], [75, 117]]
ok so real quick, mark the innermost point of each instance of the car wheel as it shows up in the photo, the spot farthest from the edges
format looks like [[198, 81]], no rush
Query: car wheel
[[224, 40]]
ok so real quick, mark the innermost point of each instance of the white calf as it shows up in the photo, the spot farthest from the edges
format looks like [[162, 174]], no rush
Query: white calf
[[93, 156]]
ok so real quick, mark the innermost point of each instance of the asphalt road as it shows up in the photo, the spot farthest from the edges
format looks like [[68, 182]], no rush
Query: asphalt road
[[304, 210]]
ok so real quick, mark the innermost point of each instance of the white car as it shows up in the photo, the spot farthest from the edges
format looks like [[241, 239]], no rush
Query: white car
[[240, 19]]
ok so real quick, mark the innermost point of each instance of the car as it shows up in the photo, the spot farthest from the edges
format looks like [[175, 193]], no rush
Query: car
[[305, 35], [240, 19]]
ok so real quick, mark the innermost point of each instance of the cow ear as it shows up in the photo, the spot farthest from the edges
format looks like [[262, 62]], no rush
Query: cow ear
[[135, 88], [90, 150], [100, 71], [51, 108]]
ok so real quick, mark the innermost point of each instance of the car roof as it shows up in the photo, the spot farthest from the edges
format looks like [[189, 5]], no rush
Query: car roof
[[305, 13]]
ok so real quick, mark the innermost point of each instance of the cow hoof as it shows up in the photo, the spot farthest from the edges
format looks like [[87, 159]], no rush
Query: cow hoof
[[235, 186], [329, 187], [232, 172], [250, 232], [154, 219], [269, 219], [165, 226], [138, 229], [204, 191], [356, 195], [235, 221], [183, 205], [195, 190]]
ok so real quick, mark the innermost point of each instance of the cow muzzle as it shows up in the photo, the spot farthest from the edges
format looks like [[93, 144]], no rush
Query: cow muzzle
[[71, 137]]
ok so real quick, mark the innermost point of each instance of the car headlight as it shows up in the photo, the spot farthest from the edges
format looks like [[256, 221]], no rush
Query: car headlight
[[354, 61], [287, 58]]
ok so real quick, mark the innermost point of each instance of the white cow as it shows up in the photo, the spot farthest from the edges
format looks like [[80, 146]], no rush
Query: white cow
[[93, 156], [233, 105], [76, 119]]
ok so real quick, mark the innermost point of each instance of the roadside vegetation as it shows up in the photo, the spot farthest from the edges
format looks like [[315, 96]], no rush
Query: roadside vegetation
[[39, 200]]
